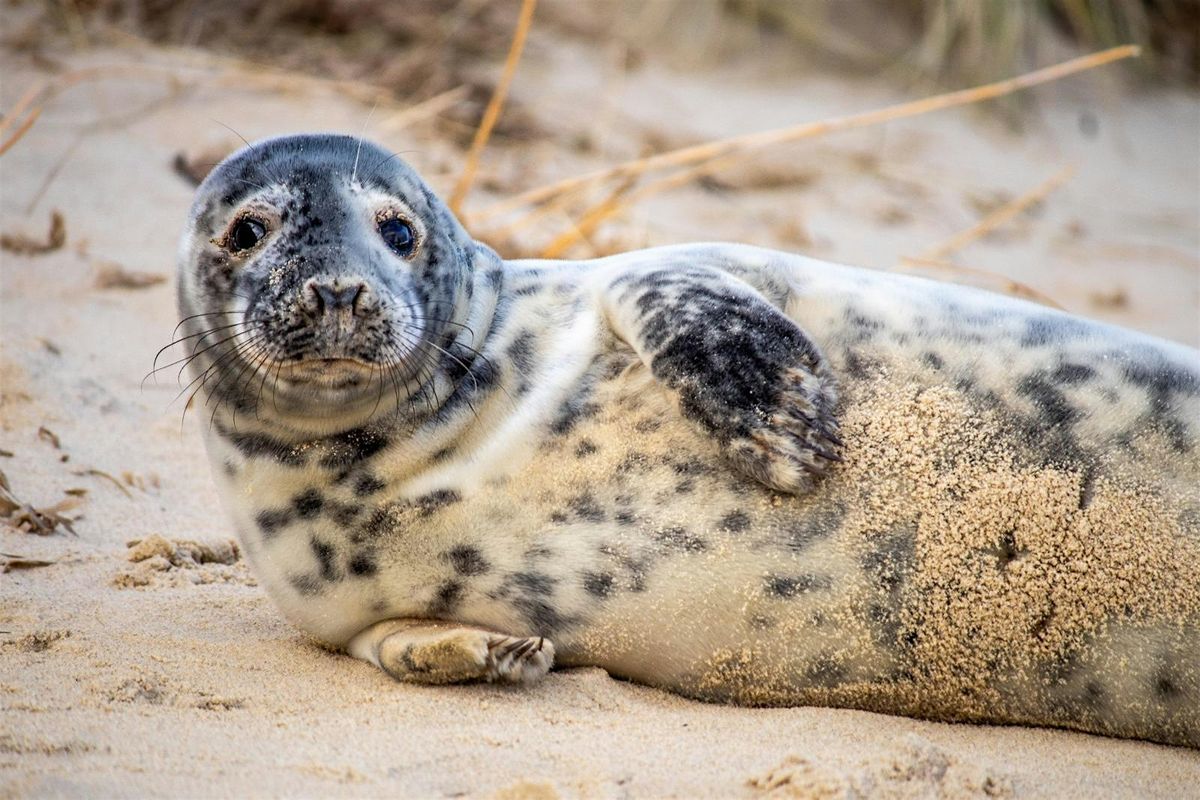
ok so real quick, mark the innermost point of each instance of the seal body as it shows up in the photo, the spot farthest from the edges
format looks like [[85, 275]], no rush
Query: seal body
[[741, 475]]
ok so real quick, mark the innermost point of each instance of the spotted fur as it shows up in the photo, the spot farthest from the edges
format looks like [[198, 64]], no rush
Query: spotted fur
[[635, 462]]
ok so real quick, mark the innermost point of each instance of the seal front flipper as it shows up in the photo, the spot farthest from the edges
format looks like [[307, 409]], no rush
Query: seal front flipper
[[423, 651], [742, 370]]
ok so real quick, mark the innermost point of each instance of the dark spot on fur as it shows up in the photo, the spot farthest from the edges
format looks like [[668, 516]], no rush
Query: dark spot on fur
[[533, 583], [933, 360], [570, 413], [467, 560], [435, 501], [1052, 405], [446, 599], [635, 461], [270, 521], [856, 366], [442, 455], [585, 448], [307, 585], [367, 484], [520, 352], [363, 565], [325, 555], [349, 448], [690, 467], [792, 585], [677, 538], [253, 445], [1071, 374], [625, 517], [814, 526], [1052, 329], [1166, 687], [379, 521], [598, 584], [308, 504], [343, 514], [543, 618], [735, 521], [586, 508]]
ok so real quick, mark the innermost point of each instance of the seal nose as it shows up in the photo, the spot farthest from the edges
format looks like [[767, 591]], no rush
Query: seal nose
[[331, 296]]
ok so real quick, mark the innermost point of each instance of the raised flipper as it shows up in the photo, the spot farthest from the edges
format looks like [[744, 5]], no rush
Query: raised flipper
[[422, 651], [742, 370]]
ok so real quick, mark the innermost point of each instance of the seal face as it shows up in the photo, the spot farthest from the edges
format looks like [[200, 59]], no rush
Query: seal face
[[736, 474], [334, 279]]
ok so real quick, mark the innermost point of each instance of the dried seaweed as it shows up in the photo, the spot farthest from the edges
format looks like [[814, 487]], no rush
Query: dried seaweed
[[112, 275], [24, 244], [41, 521]]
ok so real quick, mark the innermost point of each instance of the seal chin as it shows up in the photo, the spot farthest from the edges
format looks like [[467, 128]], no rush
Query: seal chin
[[331, 373], [320, 395]]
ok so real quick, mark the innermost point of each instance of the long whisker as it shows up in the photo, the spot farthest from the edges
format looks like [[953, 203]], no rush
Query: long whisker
[[202, 379], [250, 364], [162, 350], [217, 361]]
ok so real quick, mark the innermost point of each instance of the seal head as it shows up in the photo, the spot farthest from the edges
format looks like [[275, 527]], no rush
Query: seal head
[[321, 278]]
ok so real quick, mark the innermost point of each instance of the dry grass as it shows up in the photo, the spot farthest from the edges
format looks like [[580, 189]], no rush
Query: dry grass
[[998, 217], [937, 40], [492, 113], [620, 186], [703, 159]]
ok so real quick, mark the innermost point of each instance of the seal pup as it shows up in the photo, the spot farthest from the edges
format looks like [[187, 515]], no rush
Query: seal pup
[[740, 475]]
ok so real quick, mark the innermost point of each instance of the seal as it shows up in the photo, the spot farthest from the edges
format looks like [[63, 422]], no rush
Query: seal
[[736, 474]]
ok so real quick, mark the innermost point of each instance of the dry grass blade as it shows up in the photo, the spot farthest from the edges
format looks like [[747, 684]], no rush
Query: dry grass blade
[[13, 562], [18, 109], [24, 244], [591, 219], [492, 112], [998, 217], [99, 473], [620, 200], [7, 144], [754, 141], [999, 282], [239, 73], [424, 110]]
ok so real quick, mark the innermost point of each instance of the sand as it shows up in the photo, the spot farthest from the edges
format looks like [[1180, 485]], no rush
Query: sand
[[144, 660]]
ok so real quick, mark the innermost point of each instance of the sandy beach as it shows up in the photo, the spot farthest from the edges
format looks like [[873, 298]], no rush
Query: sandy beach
[[144, 660]]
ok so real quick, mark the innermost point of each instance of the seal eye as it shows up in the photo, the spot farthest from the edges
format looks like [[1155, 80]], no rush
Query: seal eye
[[245, 234], [399, 236]]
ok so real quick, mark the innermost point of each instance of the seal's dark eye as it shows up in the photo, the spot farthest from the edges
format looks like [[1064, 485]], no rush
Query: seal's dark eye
[[245, 234], [399, 236]]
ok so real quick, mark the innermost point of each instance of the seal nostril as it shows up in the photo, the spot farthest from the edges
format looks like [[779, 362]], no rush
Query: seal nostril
[[315, 298], [358, 298], [324, 298]]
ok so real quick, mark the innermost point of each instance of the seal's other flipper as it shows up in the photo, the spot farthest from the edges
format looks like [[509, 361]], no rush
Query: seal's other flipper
[[425, 651], [742, 370]]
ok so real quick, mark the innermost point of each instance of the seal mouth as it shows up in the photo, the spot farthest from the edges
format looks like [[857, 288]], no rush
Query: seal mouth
[[332, 373]]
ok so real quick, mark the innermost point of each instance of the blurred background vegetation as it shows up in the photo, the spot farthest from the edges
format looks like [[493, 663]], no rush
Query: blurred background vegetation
[[418, 48]]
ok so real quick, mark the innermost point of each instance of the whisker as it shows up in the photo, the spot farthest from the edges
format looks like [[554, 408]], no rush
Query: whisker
[[202, 379], [162, 350]]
